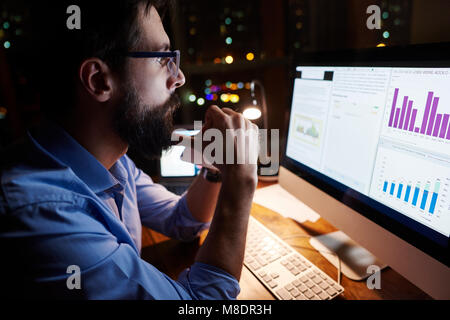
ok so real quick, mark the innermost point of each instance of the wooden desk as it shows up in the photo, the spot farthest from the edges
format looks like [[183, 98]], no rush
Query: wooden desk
[[172, 256]]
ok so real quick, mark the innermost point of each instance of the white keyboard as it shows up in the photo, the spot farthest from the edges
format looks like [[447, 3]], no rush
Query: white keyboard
[[283, 270]]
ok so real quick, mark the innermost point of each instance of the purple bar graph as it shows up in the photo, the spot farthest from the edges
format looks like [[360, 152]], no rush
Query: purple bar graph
[[432, 116], [433, 123], [437, 125], [394, 102], [444, 126], [397, 114], [402, 117], [408, 115], [448, 134], [427, 112], [413, 120]]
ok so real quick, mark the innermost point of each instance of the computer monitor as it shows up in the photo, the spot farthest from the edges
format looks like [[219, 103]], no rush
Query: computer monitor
[[368, 148]]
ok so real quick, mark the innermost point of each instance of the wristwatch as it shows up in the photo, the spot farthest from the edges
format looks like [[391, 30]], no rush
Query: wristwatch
[[211, 176]]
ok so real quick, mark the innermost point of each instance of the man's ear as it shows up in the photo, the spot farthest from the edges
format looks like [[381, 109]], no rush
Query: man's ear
[[97, 79]]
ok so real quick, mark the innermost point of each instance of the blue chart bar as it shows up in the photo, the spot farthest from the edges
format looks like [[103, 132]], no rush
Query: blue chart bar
[[424, 199], [416, 195], [392, 189], [408, 191], [434, 196], [399, 192], [433, 202]]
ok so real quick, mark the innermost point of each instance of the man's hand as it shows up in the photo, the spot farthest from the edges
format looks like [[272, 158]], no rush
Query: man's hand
[[238, 144], [225, 244], [243, 145]]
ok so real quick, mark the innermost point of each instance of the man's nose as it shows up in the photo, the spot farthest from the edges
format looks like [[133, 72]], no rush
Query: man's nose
[[174, 83]]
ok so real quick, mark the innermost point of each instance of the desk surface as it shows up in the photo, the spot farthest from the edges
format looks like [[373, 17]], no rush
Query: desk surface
[[172, 256]]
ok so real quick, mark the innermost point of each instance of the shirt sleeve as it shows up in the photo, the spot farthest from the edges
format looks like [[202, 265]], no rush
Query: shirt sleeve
[[44, 241], [165, 212]]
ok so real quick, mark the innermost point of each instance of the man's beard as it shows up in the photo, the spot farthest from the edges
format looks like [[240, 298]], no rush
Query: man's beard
[[147, 129]]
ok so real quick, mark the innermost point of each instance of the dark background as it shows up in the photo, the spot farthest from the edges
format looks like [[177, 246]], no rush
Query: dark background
[[276, 32]]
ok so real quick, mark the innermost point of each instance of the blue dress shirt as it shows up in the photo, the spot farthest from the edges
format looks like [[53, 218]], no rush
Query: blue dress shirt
[[60, 207]]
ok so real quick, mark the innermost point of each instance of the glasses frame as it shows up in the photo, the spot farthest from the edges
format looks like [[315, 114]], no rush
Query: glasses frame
[[173, 55]]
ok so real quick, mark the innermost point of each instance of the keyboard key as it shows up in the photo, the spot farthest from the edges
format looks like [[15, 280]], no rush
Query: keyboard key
[[308, 294], [248, 260], [323, 296], [317, 280], [284, 262], [331, 283], [316, 289], [324, 285], [284, 294], [309, 284], [274, 258], [295, 271], [315, 298], [295, 292], [290, 266], [289, 287], [262, 273], [316, 271], [302, 288], [261, 261], [267, 278], [324, 277], [297, 263], [272, 284], [274, 275], [304, 279], [301, 297], [296, 283], [332, 292], [254, 266]]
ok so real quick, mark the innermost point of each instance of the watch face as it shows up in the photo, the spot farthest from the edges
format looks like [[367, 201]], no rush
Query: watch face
[[211, 176]]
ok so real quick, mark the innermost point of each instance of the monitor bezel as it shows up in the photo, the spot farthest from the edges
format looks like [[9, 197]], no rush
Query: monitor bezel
[[430, 55]]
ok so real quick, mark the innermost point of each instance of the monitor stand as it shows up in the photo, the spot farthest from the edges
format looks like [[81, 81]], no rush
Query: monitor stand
[[355, 260]]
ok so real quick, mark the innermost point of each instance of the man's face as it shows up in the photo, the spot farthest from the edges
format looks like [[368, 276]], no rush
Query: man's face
[[144, 114]]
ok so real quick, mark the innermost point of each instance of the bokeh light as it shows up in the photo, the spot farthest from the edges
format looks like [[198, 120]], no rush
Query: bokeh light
[[229, 59], [250, 56], [200, 101]]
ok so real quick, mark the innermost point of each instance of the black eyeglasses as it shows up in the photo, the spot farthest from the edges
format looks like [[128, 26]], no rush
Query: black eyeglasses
[[173, 63]]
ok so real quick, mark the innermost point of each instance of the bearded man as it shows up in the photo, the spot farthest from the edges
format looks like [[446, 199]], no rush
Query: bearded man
[[71, 199]]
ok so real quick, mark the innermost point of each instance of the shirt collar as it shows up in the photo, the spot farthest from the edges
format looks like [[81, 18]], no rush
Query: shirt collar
[[64, 148]]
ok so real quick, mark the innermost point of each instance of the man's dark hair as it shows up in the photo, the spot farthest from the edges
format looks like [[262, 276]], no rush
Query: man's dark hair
[[108, 29]]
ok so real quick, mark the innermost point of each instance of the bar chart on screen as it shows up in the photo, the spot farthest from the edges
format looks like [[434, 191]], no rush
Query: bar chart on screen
[[405, 180], [418, 107]]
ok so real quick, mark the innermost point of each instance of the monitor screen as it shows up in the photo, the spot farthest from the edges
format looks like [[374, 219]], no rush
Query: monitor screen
[[380, 136], [170, 163]]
